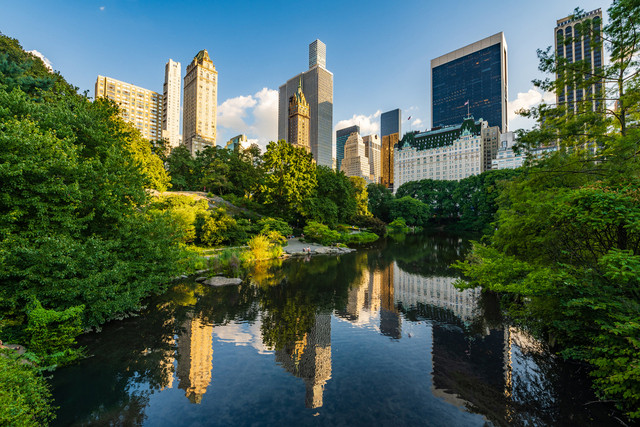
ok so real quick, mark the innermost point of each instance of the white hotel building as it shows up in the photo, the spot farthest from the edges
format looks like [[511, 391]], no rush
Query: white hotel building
[[447, 153]]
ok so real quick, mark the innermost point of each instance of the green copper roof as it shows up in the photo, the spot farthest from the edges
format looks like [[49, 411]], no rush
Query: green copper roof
[[203, 55], [440, 137]]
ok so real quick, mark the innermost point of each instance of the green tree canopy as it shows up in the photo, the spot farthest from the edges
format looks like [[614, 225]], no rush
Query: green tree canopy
[[566, 248], [290, 179]]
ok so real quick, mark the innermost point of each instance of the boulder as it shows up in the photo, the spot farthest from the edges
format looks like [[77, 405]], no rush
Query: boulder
[[222, 281]]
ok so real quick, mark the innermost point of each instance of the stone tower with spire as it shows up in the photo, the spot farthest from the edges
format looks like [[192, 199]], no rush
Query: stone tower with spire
[[299, 135]]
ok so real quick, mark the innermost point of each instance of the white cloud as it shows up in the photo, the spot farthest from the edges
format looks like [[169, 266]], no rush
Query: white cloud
[[417, 124], [526, 100], [242, 334], [529, 99], [232, 112], [254, 115], [46, 61], [101, 7], [368, 124]]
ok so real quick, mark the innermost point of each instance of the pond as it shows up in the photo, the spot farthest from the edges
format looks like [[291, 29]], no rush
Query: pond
[[376, 337]]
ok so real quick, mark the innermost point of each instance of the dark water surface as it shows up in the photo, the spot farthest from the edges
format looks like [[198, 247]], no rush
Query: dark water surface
[[377, 337]]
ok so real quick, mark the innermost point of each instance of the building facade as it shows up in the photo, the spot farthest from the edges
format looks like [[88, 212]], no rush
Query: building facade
[[317, 83], [341, 139], [390, 129], [578, 40], [355, 162], [372, 151], [171, 103], [491, 143], [471, 81], [236, 142], [200, 102], [448, 153], [138, 106], [299, 131], [506, 158]]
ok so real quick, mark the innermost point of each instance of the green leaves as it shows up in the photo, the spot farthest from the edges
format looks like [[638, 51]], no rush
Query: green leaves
[[290, 179]]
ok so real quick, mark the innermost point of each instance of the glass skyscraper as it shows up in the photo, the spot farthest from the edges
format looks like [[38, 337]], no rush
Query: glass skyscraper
[[471, 81], [341, 138]]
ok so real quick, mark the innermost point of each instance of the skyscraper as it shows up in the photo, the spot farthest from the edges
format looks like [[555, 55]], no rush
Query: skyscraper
[[317, 83], [372, 151], [299, 120], [200, 103], [355, 162], [138, 106], [341, 139], [171, 103], [471, 81], [577, 39], [390, 128]]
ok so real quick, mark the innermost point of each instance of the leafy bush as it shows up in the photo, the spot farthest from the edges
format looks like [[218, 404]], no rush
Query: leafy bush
[[275, 224], [184, 211], [372, 224], [360, 238], [53, 333], [259, 246], [398, 225], [316, 232], [218, 228], [25, 399], [227, 262], [413, 211]]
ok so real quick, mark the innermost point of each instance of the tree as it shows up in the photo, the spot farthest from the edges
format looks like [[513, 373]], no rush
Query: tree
[[180, 166], [289, 181], [212, 167], [361, 196], [413, 211], [75, 223], [380, 198], [334, 199], [438, 195], [566, 250]]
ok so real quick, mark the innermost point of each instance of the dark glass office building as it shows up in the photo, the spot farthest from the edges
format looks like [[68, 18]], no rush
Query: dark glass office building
[[390, 122], [471, 81], [341, 138]]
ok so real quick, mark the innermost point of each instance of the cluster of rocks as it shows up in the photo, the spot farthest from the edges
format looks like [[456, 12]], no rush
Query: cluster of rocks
[[320, 250]]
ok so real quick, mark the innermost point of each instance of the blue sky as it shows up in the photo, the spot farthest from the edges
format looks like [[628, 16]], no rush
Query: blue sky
[[378, 51]]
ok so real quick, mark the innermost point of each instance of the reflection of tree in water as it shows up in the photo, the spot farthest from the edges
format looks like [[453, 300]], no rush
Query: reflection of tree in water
[[290, 300], [431, 256], [133, 351]]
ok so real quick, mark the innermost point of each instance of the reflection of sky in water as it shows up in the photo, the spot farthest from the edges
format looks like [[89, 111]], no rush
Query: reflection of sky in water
[[243, 334]]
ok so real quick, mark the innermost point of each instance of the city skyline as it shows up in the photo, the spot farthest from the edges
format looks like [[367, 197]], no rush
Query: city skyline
[[254, 63]]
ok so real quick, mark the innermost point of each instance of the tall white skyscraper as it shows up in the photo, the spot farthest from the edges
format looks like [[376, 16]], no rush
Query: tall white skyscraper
[[171, 103]]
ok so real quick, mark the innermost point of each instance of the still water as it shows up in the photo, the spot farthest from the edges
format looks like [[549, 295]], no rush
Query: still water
[[377, 337]]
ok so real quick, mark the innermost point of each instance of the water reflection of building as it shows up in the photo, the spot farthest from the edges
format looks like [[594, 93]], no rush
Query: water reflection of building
[[469, 368], [195, 355], [168, 356], [310, 359], [390, 320], [411, 289]]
